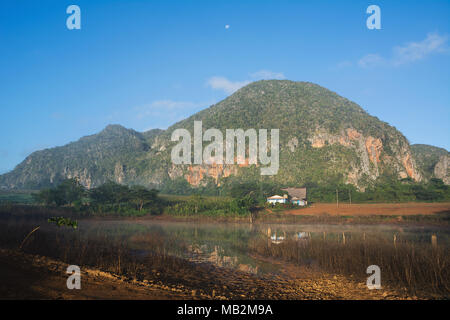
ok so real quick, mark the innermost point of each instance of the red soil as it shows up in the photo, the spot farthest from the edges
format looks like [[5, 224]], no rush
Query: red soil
[[410, 208]]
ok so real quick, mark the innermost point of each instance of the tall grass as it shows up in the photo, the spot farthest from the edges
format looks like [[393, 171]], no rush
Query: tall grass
[[106, 252], [418, 268], [441, 219], [144, 257], [150, 257]]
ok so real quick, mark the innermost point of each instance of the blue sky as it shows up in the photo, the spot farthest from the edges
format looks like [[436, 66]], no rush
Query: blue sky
[[148, 64]]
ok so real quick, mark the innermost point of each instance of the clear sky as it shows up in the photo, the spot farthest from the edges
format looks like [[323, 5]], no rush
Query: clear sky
[[148, 64]]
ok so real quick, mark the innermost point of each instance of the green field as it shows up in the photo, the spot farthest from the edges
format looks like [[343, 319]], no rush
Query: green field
[[16, 197]]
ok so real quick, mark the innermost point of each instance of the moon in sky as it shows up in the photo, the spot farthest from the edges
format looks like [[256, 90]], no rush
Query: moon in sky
[[227, 26]]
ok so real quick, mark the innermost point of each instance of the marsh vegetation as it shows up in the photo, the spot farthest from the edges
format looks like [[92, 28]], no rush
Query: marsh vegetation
[[418, 268], [209, 256]]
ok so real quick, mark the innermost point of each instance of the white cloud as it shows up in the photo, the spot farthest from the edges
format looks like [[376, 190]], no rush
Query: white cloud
[[370, 60], [413, 51], [408, 53], [229, 87], [222, 83], [267, 75]]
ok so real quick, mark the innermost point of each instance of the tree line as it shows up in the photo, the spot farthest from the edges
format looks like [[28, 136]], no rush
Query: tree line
[[236, 198], [110, 197], [385, 190], [126, 200]]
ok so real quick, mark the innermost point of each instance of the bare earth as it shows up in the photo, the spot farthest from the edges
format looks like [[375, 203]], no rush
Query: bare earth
[[25, 276], [345, 209]]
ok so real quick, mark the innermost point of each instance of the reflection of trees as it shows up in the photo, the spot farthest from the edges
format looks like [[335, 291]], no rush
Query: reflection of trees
[[220, 258], [227, 245]]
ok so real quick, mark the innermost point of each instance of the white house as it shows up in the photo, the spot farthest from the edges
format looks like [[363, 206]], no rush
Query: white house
[[277, 199]]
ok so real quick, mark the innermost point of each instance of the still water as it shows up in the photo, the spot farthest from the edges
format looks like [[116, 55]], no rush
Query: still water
[[226, 244]]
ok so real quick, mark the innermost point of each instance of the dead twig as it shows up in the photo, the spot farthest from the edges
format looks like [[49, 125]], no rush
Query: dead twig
[[35, 229]]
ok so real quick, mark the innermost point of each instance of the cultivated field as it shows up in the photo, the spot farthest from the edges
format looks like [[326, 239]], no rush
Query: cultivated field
[[345, 209]]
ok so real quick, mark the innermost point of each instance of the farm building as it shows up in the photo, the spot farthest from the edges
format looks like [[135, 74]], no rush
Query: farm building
[[297, 201], [297, 195]]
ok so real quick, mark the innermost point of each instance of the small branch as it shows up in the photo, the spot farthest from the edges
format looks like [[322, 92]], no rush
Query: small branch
[[35, 229]]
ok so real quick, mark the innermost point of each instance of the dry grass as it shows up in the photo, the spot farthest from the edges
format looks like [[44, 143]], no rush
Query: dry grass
[[106, 252], [420, 268]]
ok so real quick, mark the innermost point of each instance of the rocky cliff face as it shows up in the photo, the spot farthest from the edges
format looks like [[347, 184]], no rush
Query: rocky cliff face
[[442, 169], [370, 154], [432, 161]]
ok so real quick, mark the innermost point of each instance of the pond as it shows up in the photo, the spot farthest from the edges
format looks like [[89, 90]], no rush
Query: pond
[[226, 244]]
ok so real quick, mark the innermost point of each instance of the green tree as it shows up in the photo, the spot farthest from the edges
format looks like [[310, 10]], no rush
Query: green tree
[[68, 192], [141, 196], [110, 193]]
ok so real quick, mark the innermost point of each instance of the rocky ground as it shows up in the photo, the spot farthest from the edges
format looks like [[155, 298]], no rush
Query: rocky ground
[[25, 276]]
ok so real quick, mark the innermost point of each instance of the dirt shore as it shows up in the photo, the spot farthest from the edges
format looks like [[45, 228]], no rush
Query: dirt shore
[[366, 209], [25, 276]]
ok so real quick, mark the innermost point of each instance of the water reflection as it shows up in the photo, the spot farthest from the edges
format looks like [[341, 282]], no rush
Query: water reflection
[[220, 258], [226, 245]]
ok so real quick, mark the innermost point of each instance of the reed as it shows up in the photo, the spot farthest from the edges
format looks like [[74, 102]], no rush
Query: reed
[[417, 268]]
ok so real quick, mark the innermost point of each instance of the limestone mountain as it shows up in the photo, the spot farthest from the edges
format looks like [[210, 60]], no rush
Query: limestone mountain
[[93, 159], [433, 161], [324, 138]]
